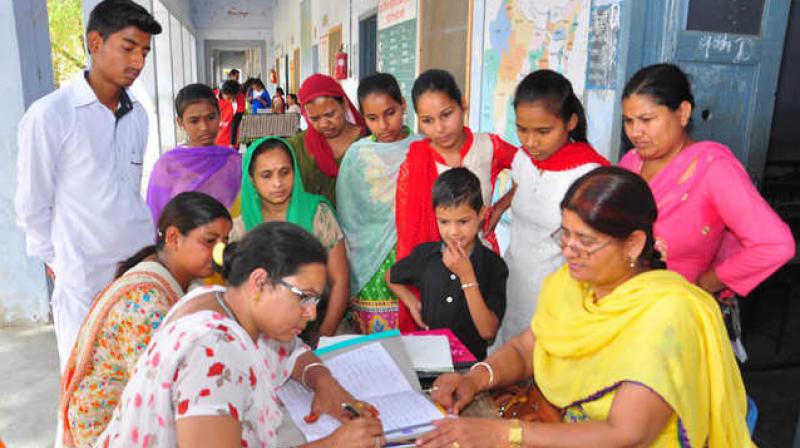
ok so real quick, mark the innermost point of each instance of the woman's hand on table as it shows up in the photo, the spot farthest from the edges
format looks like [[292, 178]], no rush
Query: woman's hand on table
[[328, 399], [467, 433], [453, 392]]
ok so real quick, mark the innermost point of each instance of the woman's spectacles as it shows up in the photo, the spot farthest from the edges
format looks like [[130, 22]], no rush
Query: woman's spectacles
[[306, 299], [560, 238]]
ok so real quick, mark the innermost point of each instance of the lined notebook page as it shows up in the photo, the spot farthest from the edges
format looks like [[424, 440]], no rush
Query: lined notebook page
[[371, 375]]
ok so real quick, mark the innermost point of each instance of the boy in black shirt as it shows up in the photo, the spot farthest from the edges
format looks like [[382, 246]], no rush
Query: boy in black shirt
[[462, 283]]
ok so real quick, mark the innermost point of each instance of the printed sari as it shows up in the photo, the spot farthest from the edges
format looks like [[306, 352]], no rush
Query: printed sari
[[366, 209], [116, 331]]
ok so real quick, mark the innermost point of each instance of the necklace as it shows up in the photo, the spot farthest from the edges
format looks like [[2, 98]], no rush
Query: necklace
[[225, 307]]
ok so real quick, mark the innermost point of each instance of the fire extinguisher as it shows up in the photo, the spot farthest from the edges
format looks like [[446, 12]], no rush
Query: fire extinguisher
[[273, 76], [340, 68]]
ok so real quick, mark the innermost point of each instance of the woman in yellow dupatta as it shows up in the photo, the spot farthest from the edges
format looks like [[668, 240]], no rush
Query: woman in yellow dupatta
[[635, 355]]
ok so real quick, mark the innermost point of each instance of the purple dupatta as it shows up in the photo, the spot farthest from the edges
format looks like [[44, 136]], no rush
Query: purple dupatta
[[214, 170]]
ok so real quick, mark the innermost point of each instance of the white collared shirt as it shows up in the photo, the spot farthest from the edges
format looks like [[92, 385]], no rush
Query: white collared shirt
[[78, 197]]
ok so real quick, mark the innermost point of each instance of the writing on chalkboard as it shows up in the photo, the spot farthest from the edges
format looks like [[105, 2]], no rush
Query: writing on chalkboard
[[397, 51]]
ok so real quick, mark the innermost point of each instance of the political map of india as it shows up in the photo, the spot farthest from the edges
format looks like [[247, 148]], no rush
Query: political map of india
[[526, 35]]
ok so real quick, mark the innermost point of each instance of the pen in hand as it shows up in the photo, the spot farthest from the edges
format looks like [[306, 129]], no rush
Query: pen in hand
[[351, 410]]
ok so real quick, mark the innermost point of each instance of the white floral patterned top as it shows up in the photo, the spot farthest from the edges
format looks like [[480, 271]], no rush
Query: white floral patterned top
[[199, 365]]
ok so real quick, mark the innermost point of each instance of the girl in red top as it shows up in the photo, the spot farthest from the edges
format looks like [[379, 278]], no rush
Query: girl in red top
[[227, 95], [440, 110]]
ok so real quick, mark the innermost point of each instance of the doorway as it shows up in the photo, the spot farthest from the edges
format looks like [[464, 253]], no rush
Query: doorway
[[445, 39], [334, 44], [368, 46], [783, 157], [730, 50]]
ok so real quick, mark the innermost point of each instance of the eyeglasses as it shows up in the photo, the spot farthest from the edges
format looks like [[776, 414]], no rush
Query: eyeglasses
[[560, 239], [306, 299]]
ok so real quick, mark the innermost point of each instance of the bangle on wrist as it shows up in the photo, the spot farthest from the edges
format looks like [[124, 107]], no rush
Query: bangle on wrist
[[305, 370], [515, 438], [488, 368], [469, 285]]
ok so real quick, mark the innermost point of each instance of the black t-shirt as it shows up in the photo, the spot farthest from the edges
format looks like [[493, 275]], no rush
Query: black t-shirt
[[443, 302]]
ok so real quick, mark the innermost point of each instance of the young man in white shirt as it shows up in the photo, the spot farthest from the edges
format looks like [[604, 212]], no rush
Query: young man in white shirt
[[80, 167]]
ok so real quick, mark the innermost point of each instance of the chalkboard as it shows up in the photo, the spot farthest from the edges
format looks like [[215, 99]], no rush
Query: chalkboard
[[397, 54]]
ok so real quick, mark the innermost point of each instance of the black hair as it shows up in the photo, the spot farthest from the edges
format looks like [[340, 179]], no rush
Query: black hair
[[555, 93], [455, 187], [234, 71], [280, 248], [194, 93], [435, 80], [616, 202], [230, 87], [186, 212], [378, 83], [267, 146], [294, 98], [258, 82], [279, 91], [110, 16], [667, 84]]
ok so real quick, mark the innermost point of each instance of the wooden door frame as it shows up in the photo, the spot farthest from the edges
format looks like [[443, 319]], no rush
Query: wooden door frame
[[468, 52], [332, 51]]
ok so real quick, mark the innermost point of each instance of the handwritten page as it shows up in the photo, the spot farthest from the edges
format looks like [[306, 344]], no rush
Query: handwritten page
[[371, 375], [429, 353]]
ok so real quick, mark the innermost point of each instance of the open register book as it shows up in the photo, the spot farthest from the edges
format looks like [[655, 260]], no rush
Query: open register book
[[371, 375]]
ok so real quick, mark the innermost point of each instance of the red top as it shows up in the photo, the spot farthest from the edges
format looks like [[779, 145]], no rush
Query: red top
[[225, 122], [240, 103]]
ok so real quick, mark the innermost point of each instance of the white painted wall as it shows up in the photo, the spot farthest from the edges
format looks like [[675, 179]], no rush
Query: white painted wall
[[24, 33], [325, 14]]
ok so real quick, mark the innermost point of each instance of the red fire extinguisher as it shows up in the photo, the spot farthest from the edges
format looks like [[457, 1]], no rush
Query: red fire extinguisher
[[340, 68], [273, 76]]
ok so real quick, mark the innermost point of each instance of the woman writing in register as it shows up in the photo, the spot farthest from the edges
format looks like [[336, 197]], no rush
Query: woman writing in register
[[633, 354]]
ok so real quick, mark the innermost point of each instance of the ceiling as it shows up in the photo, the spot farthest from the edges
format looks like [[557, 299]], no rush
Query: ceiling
[[232, 14]]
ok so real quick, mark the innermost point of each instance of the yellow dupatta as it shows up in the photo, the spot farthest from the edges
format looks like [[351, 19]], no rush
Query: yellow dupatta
[[656, 329]]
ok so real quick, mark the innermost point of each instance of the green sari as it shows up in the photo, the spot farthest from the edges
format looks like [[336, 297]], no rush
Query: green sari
[[317, 182], [302, 205], [302, 210]]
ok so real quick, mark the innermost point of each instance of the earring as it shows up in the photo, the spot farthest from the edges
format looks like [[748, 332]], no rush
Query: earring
[[256, 298], [632, 264]]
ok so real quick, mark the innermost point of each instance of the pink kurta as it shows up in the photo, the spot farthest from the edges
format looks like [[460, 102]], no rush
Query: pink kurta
[[711, 215]]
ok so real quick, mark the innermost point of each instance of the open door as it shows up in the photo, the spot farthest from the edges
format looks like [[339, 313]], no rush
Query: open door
[[732, 52]]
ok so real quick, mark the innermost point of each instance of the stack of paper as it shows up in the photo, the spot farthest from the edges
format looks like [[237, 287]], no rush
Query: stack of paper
[[429, 353], [370, 374]]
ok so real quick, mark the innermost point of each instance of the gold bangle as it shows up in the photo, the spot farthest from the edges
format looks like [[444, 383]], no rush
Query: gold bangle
[[469, 285], [514, 433]]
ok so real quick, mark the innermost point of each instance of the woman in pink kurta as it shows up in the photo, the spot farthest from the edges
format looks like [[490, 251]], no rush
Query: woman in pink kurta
[[713, 226]]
